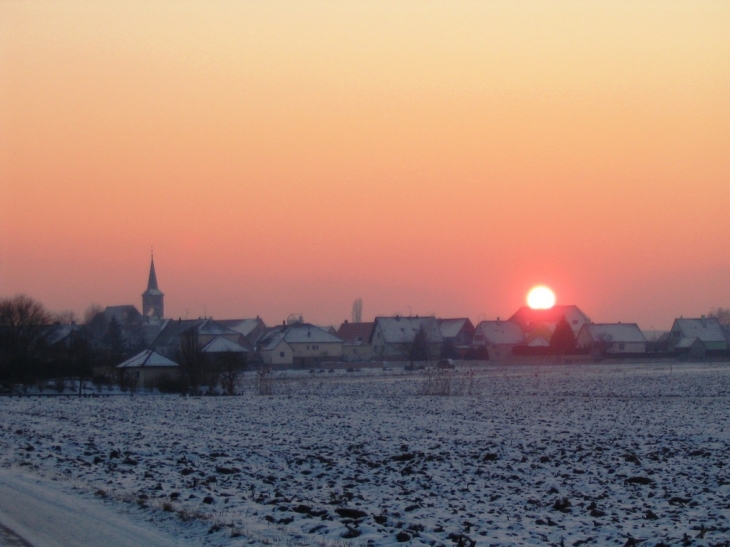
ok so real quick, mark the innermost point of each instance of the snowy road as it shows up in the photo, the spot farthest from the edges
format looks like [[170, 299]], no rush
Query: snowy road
[[39, 512]]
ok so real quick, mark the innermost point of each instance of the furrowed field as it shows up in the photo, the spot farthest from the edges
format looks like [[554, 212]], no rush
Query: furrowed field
[[495, 455]]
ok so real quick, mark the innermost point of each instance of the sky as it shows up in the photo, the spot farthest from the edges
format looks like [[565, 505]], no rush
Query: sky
[[429, 157]]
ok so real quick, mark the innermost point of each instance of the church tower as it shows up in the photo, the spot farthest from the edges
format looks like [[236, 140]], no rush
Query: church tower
[[153, 298]]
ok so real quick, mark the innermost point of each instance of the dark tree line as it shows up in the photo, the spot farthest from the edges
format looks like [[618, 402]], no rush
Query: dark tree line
[[36, 346], [200, 369]]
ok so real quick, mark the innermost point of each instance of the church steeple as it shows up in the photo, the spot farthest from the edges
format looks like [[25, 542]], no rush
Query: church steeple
[[153, 298], [152, 282]]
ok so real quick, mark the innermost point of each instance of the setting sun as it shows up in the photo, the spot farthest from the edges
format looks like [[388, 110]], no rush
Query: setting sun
[[540, 298]]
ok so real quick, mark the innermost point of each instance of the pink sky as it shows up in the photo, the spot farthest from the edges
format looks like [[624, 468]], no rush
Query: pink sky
[[429, 157]]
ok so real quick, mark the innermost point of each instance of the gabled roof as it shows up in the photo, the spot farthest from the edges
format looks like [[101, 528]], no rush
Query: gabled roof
[[305, 332], [147, 358], [539, 342], [296, 333], [58, 333], [450, 328], [403, 330], [501, 332], [243, 326], [222, 345], [688, 342], [356, 333], [527, 316], [614, 332], [208, 327], [707, 329], [172, 330]]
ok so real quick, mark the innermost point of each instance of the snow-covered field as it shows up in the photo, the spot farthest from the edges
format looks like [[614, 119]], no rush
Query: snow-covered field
[[522, 455]]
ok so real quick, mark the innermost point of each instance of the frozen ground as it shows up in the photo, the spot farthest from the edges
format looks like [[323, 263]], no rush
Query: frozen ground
[[37, 512], [538, 455]]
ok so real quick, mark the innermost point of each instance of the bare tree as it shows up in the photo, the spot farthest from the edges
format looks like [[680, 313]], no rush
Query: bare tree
[[65, 317], [721, 314], [192, 360], [230, 366], [95, 323], [91, 312], [23, 330], [357, 310]]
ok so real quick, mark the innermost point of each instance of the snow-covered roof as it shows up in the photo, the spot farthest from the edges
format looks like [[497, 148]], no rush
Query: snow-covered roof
[[209, 327], [297, 333], [530, 318], [147, 358], [242, 326], [173, 330], [614, 332], [403, 330], [450, 328], [538, 342], [707, 329], [687, 342], [56, 333], [501, 332], [223, 345], [305, 332]]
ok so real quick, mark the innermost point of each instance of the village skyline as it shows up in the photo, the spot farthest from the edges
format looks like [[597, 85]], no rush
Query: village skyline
[[153, 304]]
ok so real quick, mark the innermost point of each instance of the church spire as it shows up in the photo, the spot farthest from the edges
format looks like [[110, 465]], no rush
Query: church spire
[[152, 282], [153, 300]]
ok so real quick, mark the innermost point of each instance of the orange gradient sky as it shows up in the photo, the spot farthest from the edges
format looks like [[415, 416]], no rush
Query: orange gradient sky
[[429, 157]]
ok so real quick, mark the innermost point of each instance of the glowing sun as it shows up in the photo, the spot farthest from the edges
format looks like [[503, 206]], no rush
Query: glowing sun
[[540, 298]]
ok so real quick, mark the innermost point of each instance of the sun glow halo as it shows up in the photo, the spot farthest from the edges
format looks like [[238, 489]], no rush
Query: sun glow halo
[[540, 298]]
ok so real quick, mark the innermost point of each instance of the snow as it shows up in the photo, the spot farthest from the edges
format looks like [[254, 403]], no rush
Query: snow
[[531, 455], [42, 514]]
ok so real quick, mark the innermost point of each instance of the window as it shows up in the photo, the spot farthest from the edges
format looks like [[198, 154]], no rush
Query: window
[[622, 346], [281, 354]]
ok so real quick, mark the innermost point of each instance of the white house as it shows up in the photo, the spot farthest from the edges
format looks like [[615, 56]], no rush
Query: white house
[[542, 322], [147, 369], [356, 338], [299, 344], [707, 330], [458, 333], [499, 337], [393, 337], [612, 338]]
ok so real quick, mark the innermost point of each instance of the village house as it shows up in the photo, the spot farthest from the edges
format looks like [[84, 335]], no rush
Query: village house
[[696, 337], [499, 338], [249, 329], [393, 337], [542, 322], [168, 341], [356, 339], [611, 338], [300, 344], [148, 370], [457, 335]]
